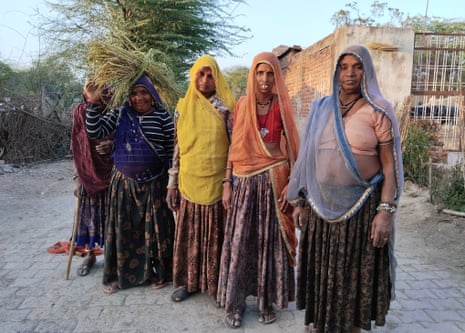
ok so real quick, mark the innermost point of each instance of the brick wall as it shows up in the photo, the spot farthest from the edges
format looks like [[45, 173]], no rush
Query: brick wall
[[308, 74]]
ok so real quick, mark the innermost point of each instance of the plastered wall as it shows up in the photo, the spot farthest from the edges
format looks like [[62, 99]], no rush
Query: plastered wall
[[309, 72]]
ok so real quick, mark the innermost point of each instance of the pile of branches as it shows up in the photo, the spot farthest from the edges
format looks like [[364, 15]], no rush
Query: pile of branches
[[26, 137]]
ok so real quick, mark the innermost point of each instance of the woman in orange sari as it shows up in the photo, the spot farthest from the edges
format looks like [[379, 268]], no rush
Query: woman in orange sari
[[258, 253]]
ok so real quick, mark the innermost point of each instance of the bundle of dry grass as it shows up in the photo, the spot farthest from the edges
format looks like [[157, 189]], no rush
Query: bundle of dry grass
[[120, 63]]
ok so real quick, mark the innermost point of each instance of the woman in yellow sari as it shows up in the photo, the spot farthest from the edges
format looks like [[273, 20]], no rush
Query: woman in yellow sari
[[203, 125]]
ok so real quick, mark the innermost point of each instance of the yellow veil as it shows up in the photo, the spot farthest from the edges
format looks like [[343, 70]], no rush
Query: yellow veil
[[202, 138]]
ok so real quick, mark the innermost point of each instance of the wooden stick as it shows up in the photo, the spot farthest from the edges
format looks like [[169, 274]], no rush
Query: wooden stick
[[73, 237]]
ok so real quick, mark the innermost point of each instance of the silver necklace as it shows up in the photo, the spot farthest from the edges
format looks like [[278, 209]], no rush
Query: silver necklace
[[263, 130]]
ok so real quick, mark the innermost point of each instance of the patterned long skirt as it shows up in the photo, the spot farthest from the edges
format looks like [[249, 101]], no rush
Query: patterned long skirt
[[139, 232], [343, 281], [92, 220], [197, 246], [254, 259]]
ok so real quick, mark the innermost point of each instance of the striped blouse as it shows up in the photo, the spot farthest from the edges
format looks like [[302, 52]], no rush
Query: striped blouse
[[158, 128]]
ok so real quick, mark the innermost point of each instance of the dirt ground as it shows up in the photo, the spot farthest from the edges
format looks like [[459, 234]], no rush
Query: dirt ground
[[421, 230], [428, 233]]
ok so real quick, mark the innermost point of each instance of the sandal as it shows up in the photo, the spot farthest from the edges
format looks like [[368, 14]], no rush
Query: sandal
[[180, 294], [267, 317], [156, 284], [98, 251], [58, 247], [233, 320], [85, 267], [110, 288]]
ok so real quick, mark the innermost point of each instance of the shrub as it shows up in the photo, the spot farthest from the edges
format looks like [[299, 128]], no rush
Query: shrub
[[448, 188], [416, 148]]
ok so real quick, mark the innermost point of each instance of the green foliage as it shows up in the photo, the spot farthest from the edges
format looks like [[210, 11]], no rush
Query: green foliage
[[454, 192], [416, 151], [55, 78], [237, 80], [434, 24], [49, 85], [448, 188], [382, 15], [182, 29], [353, 16], [6, 72]]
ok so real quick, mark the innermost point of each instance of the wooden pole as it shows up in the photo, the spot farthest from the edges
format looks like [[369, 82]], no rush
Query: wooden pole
[[73, 237]]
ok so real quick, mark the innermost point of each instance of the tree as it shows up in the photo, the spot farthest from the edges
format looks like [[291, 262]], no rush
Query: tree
[[236, 77], [6, 72], [435, 24], [53, 81], [395, 18], [181, 29], [353, 16], [48, 86]]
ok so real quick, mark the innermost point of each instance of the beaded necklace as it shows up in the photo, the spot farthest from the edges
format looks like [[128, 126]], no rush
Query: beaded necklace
[[345, 108]]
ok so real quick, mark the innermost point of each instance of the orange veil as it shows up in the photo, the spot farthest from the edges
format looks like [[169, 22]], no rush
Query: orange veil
[[248, 152]]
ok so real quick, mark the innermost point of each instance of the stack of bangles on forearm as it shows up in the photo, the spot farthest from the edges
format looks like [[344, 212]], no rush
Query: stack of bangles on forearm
[[172, 179], [387, 207], [227, 180]]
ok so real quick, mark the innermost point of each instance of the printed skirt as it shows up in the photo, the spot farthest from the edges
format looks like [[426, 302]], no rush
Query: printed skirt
[[92, 220], [342, 280], [139, 232], [197, 246], [254, 259]]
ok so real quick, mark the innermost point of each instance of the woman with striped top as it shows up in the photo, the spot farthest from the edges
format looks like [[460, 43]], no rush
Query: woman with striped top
[[140, 227]]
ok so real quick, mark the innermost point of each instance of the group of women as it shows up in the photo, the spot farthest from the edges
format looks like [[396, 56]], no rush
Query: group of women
[[239, 182]]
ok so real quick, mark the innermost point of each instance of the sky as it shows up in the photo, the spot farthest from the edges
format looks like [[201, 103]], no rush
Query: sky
[[271, 22]]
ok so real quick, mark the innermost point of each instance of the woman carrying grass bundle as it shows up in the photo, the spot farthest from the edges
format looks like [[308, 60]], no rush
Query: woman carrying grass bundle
[[140, 227]]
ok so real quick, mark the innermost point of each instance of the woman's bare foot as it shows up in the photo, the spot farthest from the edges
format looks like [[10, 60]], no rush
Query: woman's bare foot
[[110, 288], [88, 263]]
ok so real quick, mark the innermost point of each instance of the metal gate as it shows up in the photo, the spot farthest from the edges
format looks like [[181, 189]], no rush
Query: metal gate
[[438, 84]]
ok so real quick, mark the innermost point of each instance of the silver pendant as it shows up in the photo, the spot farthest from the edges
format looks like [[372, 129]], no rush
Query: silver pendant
[[264, 131]]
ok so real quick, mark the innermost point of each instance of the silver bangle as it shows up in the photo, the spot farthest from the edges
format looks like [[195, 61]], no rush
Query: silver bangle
[[386, 207]]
